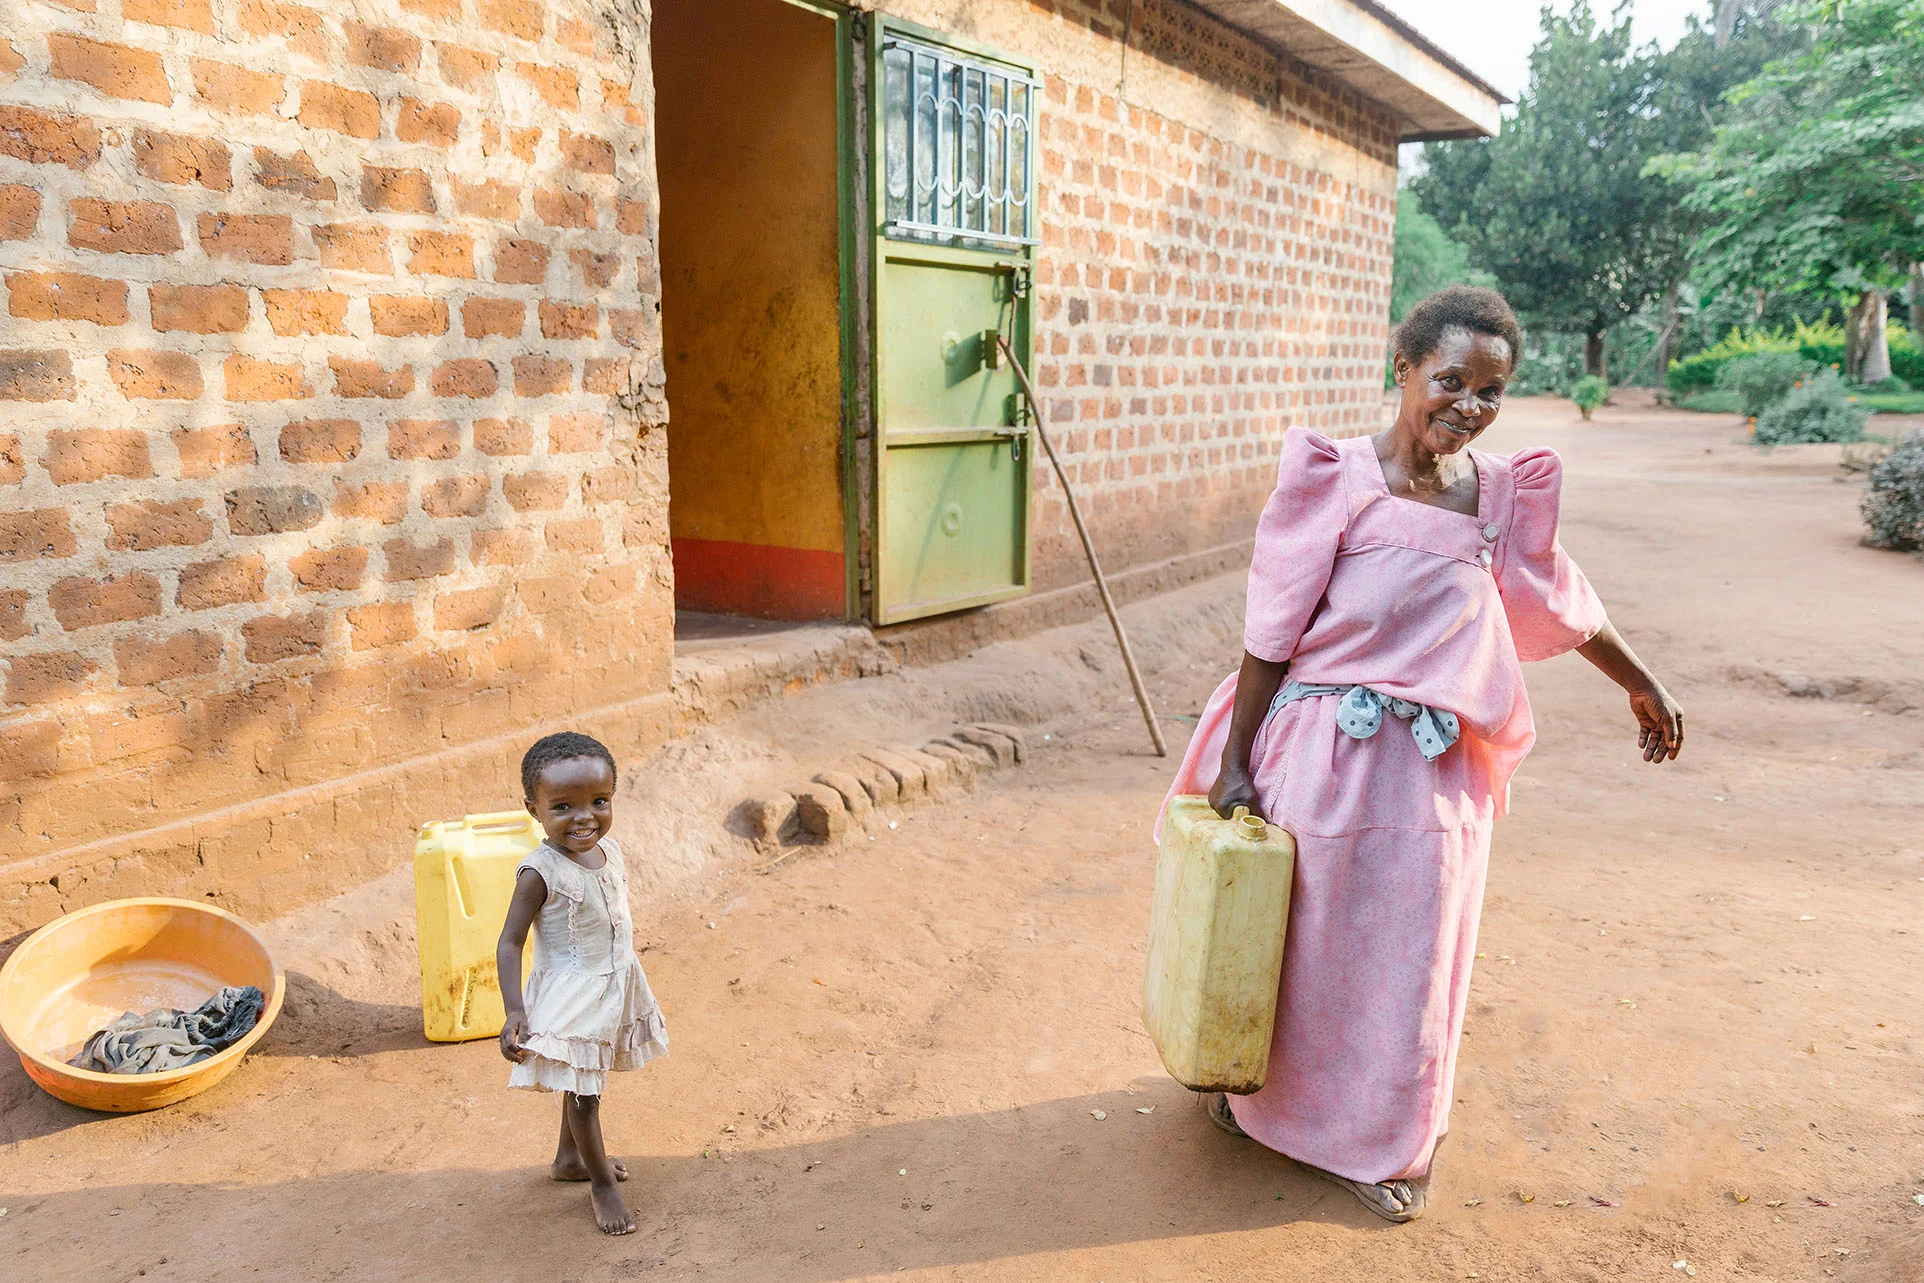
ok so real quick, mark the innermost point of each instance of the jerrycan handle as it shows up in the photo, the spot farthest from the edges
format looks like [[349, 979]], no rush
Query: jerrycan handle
[[1248, 826]]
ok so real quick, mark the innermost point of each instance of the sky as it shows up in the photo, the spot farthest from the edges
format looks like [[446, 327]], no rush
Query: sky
[[1493, 37]]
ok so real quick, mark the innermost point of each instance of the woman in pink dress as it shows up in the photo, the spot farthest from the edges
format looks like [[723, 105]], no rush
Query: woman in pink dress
[[1398, 583]]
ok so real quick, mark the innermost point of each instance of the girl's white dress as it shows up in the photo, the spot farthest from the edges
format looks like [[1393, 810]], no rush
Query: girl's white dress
[[589, 1006]]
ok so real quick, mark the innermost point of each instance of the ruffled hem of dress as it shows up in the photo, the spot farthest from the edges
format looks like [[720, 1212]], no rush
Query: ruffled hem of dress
[[635, 1044]]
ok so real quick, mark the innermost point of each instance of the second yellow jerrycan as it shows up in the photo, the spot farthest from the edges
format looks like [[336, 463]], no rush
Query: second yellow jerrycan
[[463, 881], [1216, 945]]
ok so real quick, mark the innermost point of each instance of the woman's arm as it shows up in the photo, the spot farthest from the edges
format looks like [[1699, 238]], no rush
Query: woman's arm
[[1659, 717], [1256, 686], [530, 892]]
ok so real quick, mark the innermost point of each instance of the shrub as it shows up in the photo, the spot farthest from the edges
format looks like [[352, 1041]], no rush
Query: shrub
[[1589, 392], [1894, 505], [1763, 379], [1821, 409], [1698, 372]]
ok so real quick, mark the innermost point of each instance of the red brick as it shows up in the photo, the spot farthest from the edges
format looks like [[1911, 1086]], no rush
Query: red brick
[[78, 455], [647, 271], [66, 296], [123, 227], [146, 524], [455, 496], [497, 317], [631, 217], [587, 153], [445, 10], [561, 208], [423, 439], [557, 86], [386, 623], [252, 379], [198, 309], [225, 87], [13, 464], [300, 27], [576, 433], [502, 548], [227, 581], [569, 320], [579, 537], [396, 191], [607, 485], [270, 639], [616, 102], [272, 510], [321, 441], [497, 200], [42, 139], [465, 68], [148, 375], [147, 661], [194, 15], [112, 599], [403, 316], [423, 122], [464, 377], [208, 452], [353, 247], [605, 375], [441, 254], [519, 262], [183, 161], [115, 70], [355, 378], [382, 501], [578, 36], [343, 111], [524, 143], [383, 48], [330, 569], [535, 491], [13, 614], [31, 536], [521, 18], [628, 326], [469, 608], [541, 375], [292, 312], [28, 375], [406, 560], [294, 174], [19, 212], [254, 238], [10, 59], [44, 678], [598, 271], [503, 436]]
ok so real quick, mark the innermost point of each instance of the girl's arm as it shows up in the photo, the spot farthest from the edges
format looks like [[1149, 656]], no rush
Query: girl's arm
[[1256, 686], [530, 893], [1659, 717]]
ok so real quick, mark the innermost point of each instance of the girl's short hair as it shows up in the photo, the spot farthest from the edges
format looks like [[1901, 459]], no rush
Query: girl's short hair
[[1477, 310], [561, 747]]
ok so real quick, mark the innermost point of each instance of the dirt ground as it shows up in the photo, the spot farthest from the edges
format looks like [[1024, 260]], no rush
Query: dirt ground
[[1699, 1009]]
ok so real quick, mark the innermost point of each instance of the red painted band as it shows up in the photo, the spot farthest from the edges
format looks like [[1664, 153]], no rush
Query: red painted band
[[761, 580]]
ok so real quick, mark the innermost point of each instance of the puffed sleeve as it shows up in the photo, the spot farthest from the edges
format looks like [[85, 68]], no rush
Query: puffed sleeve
[[1551, 606], [1296, 544]]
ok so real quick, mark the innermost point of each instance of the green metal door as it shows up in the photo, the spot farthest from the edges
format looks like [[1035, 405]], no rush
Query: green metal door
[[952, 267]]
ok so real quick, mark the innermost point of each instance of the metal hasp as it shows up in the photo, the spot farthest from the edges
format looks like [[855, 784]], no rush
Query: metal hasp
[[954, 191]]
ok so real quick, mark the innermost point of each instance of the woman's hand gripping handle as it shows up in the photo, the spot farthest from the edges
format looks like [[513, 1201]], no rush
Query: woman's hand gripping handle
[[1256, 687]]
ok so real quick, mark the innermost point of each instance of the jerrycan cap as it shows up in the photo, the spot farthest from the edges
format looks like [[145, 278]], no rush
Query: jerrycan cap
[[1248, 826]]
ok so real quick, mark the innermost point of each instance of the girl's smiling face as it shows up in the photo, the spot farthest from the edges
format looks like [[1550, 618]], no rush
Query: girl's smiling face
[[574, 803]]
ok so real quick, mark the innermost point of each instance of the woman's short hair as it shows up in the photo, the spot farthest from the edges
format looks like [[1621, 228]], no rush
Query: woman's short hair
[[562, 747], [1469, 307]]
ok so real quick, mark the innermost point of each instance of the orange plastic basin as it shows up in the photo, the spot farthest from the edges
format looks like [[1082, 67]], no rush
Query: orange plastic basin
[[77, 975]]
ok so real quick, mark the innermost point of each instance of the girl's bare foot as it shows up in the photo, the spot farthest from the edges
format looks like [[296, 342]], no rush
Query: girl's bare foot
[[611, 1210], [567, 1159]]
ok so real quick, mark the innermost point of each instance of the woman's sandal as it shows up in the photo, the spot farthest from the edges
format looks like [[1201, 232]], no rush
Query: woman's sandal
[[1396, 1201], [1219, 1114]]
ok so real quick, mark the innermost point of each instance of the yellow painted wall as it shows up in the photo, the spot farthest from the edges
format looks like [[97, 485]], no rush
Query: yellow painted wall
[[746, 137]]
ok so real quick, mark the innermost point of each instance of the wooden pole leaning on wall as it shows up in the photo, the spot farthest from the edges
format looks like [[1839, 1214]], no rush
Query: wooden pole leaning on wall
[[1089, 548]]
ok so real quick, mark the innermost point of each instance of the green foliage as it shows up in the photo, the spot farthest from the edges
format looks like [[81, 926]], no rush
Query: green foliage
[[1822, 409], [1711, 402], [1762, 379], [1819, 343], [1698, 373], [1551, 365], [1589, 393], [1893, 507], [1426, 258]]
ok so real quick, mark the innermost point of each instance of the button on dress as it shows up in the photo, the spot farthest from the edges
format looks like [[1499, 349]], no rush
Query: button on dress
[[1356, 587]]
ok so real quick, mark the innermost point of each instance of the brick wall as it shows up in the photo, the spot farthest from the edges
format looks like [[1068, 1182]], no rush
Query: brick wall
[[1217, 235], [329, 374]]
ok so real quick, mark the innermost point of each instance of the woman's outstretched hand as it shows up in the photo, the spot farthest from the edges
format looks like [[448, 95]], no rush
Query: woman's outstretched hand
[[1233, 789], [1659, 722]]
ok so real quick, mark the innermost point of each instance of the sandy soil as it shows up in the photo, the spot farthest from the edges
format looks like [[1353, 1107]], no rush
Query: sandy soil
[[1700, 998]]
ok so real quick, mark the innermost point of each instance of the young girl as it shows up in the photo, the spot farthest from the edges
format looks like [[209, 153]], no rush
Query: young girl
[[589, 1008]]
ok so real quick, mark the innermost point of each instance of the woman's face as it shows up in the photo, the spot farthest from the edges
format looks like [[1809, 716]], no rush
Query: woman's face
[[1453, 394]]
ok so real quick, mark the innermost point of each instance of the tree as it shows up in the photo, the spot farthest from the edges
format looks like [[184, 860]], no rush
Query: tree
[[1814, 180], [1426, 258]]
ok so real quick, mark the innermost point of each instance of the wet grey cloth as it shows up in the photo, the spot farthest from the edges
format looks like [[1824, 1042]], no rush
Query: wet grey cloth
[[165, 1039]]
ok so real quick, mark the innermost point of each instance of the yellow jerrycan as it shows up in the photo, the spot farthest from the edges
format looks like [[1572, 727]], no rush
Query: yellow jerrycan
[[463, 880], [1216, 945]]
